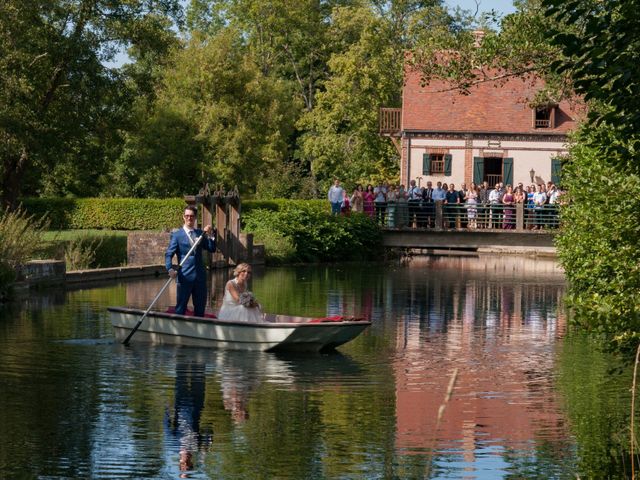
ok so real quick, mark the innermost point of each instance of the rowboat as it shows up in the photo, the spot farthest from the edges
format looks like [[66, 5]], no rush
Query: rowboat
[[274, 333]]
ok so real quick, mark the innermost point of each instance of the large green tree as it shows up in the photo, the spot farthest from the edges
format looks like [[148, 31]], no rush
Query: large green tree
[[216, 118], [600, 42], [54, 86], [341, 133], [600, 241]]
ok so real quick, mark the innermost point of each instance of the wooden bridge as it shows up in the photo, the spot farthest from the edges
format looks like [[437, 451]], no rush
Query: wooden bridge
[[536, 242], [495, 227]]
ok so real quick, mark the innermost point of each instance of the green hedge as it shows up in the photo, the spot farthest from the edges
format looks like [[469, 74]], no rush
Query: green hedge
[[107, 213], [134, 213], [291, 230]]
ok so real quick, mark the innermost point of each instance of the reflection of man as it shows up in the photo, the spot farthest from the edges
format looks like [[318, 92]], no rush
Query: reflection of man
[[189, 402], [192, 280]]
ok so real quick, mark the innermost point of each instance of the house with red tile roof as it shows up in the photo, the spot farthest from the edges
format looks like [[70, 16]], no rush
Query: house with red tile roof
[[493, 133]]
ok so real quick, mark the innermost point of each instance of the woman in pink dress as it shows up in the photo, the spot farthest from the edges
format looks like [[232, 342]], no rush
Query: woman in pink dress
[[368, 197], [509, 221]]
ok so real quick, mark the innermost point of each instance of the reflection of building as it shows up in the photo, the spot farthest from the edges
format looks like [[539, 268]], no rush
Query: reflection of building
[[498, 331]]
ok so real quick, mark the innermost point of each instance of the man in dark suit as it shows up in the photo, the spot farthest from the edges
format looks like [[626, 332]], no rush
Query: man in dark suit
[[192, 279], [427, 207]]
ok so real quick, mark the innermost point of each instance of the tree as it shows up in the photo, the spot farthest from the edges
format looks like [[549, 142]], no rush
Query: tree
[[52, 76], [599, 242], [341, 132], [600, 43], [217, 118]]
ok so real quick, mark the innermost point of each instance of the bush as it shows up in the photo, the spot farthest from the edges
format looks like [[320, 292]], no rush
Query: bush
[[92, 251], [107, 213], [20, 238], [306, 233], [598, 245], [80, 253], [283, 203]]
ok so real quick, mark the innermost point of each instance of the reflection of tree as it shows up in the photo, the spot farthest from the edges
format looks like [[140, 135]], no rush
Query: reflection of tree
[[596, 396], [318, 291]]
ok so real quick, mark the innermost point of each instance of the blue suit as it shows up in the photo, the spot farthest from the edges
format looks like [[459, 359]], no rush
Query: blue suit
[[192, 276]]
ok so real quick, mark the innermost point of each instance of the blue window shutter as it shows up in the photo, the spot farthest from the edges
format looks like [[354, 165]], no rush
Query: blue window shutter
[[426, 164], [507, 171], [447, 165], [556, 167], [478, 170]]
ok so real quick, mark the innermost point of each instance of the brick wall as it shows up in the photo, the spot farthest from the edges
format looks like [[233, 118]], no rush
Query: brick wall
[[146, 248]]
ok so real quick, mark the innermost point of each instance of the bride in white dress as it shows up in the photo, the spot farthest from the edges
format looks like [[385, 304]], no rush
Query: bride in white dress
[[238, 303]]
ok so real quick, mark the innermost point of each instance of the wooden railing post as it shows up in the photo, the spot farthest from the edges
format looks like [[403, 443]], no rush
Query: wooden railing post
[[439, 216], [519, 216]]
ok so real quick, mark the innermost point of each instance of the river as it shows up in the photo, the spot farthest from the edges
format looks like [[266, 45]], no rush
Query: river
[[469, 370]]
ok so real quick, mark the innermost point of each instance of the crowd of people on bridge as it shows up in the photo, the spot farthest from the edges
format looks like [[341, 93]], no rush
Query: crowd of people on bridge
[[469, 207]]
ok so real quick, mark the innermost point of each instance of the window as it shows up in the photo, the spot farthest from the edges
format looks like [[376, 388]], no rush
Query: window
[[544, 117], [437, 164]]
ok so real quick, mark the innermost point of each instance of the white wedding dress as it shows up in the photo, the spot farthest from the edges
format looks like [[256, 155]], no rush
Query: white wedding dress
[[232, 310]]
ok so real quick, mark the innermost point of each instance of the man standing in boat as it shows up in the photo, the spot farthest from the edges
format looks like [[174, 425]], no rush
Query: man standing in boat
[[192, 279]]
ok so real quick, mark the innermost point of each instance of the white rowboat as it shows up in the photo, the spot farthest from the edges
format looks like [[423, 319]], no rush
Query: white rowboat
[[276, 332]]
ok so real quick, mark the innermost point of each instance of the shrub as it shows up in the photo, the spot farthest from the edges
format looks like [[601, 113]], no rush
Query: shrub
[[20, 237], [309, 234], [92, 251], [107, 213], [80, 253], [598, 245]]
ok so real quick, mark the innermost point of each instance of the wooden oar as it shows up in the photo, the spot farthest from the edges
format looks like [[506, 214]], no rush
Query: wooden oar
[[191, 250]]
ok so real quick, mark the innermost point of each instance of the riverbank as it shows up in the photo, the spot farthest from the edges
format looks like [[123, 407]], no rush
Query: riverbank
[[51, 273]]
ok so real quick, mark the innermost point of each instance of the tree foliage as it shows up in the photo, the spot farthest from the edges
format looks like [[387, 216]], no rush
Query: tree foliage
[[600, 43], [232, 91], [341, 134], [599, 244], [55, 91]]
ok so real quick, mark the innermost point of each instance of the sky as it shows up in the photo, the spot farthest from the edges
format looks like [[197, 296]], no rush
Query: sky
[[500, 6]]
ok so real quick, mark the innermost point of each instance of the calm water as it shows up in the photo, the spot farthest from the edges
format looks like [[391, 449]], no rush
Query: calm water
[[466, 372]]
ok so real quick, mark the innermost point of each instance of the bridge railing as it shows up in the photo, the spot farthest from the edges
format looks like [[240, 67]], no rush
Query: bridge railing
[[440, 216]]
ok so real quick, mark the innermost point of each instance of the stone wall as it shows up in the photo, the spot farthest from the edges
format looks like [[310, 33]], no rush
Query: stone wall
[[146, 248], [42, 272]]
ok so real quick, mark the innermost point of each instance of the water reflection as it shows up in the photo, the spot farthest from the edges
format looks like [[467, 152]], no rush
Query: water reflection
[[524, 397], [184, 423]]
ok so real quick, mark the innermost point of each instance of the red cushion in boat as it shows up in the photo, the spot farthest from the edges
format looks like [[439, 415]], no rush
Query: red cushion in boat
[[335, 318], [189, 313]]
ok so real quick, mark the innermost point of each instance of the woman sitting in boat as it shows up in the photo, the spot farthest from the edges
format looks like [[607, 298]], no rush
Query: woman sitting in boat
[[238, 303]]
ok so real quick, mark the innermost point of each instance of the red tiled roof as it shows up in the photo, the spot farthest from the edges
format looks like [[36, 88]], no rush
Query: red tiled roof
[[501, 107]]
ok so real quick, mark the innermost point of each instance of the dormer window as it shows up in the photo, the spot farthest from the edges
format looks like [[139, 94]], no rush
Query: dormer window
[[544, 116]]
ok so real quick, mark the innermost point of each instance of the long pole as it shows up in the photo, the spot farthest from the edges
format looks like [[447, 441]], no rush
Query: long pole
[[191, 250]]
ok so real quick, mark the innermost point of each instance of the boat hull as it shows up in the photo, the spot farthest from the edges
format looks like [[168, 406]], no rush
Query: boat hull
[[277, 334]]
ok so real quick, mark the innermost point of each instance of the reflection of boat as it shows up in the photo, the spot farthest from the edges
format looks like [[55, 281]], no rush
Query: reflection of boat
[[277, 332]]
